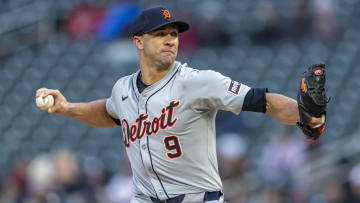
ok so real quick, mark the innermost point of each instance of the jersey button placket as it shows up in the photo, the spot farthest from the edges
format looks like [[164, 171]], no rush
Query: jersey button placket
[[143, 144], [146, 154], [143, 101]]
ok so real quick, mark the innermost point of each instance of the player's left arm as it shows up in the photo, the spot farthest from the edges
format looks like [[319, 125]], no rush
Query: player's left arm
[[285, 109]]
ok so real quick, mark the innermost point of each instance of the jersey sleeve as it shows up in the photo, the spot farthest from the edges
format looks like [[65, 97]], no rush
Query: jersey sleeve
[[111, 102], [110, 107], [255, 100], [211, 90]]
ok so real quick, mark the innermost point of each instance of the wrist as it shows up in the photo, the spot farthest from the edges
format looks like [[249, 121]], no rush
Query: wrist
[[70, 109]]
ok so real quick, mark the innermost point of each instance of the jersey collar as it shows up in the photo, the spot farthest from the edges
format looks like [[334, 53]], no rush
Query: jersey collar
[[159, 84]]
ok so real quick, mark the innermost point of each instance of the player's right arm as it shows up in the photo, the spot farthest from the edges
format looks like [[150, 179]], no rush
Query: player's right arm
[[92, 113]]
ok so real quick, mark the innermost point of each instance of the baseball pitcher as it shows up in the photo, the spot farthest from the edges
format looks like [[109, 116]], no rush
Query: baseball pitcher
[[167, 112]]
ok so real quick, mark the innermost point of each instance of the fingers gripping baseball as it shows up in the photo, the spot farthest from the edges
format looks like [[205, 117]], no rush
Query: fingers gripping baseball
[[43, 100]]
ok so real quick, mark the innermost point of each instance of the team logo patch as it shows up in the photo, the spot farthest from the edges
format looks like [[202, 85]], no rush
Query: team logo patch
[[166, 14], [318, 72], [234, 87]]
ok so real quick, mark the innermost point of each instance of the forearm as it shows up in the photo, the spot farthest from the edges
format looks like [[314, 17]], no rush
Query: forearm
[[92, 113], [282, 108]]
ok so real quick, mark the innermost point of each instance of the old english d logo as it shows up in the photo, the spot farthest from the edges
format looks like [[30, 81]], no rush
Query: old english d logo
[[166, 14]]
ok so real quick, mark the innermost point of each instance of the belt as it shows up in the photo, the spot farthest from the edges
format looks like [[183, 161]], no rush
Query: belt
[[209, 196], [177, 199]]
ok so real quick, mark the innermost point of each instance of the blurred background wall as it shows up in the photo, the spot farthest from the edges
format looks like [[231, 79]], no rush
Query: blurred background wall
[[82, 47]]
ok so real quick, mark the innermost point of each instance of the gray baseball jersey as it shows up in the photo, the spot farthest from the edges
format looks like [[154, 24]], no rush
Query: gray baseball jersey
[[169, 129]]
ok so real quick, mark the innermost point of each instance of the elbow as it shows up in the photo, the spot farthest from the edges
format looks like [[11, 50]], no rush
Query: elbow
[[105, 124], [101, 126]]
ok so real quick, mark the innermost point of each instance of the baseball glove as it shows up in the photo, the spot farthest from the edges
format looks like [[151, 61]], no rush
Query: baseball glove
[[312, 100]]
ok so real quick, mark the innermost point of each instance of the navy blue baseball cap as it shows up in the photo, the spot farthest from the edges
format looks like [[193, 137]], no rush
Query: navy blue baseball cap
[[154, 18]]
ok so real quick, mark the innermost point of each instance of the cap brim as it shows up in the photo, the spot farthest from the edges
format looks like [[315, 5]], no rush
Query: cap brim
[[182, 27]]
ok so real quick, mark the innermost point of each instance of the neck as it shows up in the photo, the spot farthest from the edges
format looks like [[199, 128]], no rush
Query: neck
[[150, 73]]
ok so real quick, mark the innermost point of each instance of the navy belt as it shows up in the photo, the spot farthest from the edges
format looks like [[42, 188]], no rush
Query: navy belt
[[177, 199], [209, 196]]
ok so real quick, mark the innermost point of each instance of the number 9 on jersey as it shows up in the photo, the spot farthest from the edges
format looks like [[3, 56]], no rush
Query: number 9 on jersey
[[172, 145]]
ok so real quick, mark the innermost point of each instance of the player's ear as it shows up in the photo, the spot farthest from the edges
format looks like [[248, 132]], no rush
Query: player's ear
[[138, 41]]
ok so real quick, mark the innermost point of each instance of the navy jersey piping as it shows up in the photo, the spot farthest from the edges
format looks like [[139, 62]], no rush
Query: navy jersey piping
[[152, 165]]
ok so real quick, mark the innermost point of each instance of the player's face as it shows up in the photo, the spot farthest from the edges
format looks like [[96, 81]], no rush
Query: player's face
[[161, 46]]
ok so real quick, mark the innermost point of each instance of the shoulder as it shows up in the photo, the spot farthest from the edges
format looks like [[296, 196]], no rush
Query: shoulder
[[123, 83], [189, 74]]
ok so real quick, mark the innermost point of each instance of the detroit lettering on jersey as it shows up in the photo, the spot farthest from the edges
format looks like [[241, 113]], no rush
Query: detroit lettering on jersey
[[143, 126]]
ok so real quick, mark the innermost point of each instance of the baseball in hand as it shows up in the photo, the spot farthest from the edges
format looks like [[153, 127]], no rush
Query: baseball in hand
[[45, 103]]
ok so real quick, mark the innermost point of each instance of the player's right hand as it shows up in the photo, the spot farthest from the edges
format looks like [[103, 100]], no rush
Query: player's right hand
[[61, 105]]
